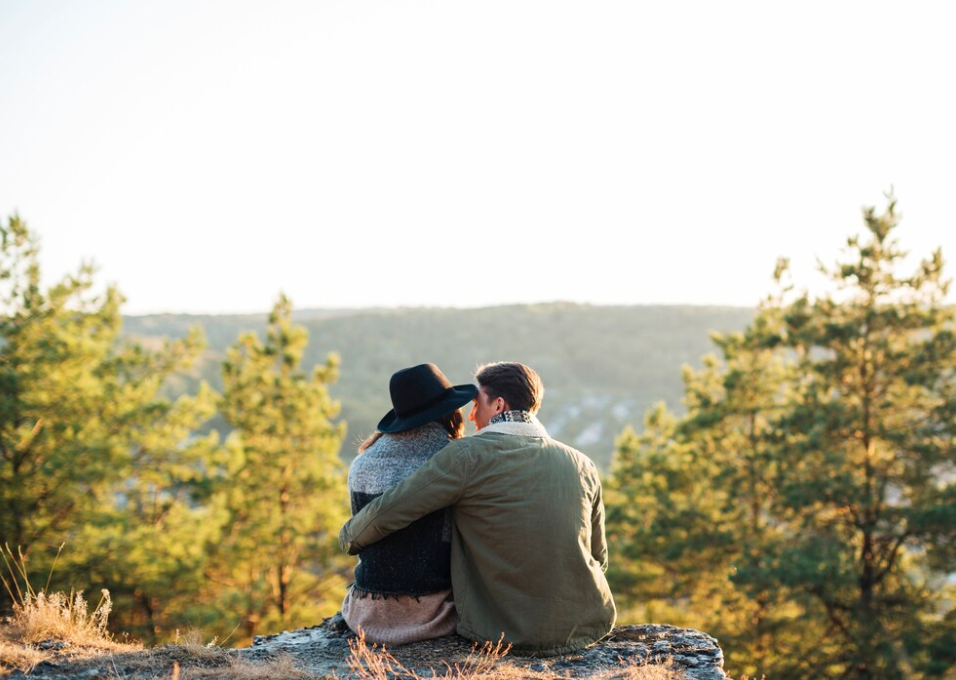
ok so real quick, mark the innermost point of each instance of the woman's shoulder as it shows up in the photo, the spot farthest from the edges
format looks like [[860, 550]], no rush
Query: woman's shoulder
[[420, 442], [430, 436], [395, 456]]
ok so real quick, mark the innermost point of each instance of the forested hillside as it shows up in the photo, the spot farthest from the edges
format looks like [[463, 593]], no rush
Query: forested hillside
[[794, 495], [602, 366]]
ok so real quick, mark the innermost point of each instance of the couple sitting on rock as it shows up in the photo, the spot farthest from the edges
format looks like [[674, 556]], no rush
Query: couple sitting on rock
[[508, 520]]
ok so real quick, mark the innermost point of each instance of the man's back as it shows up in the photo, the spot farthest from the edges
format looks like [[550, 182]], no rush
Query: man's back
[[530, 557], [528, 549]]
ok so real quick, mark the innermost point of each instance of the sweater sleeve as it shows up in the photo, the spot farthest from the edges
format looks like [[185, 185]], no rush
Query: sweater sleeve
[[437, 484]]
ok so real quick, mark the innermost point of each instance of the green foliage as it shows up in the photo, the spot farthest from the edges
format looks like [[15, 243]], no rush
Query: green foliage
[[803, 509], [284, 492], [91, 453], [57, 458], [184, 530]]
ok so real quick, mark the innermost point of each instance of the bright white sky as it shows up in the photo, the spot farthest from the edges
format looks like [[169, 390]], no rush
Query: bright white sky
[[207, 155]]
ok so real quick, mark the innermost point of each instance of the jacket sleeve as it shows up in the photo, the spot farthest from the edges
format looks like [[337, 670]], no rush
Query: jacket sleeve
[[435, 485], [598, 540]]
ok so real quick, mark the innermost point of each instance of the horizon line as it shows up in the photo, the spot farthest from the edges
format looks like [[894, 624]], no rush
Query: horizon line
[[397, 308]]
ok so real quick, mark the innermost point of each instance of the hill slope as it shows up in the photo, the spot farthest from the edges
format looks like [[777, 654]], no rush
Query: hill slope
[[602, 366]]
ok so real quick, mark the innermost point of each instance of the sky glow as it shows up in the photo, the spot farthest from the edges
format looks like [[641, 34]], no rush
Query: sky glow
[[207, 155]]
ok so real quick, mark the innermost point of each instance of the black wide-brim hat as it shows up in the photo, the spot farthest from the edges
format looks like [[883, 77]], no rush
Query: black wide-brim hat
[[421, 394]]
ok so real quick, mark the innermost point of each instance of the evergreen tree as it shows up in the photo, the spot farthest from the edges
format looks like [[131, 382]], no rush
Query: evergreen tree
[[150, 547], [867, 489], [59, 459], [810, 487], [91, 454], [279, 565], [689, 509]]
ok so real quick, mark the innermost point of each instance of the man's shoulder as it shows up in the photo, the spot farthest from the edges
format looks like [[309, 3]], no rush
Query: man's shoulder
[[497, 440], [581, 458], [455, 447]]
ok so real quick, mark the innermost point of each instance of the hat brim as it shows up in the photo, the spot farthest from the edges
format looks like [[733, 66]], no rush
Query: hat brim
[[454, 398]]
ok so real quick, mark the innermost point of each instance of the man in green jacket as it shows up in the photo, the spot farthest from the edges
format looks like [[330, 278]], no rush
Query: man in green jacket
[[528, 548]]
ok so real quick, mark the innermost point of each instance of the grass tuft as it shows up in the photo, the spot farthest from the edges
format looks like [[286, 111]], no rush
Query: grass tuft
[[487, 662], [63, 623], [642, 670], [377, 663], [18, 657], [281, 667], [63, 618], [191, 642]]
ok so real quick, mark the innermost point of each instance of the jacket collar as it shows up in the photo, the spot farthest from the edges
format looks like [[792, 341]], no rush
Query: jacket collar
[[519, 423]]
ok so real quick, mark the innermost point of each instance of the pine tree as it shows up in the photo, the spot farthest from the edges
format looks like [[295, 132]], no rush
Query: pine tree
[[91, 454], [809, 490], [689, 508], [284, 493], [150, 548], [58, 458], [868, 489]]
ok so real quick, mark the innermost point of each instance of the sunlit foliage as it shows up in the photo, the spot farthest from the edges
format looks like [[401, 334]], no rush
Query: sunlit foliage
[[278, 564], [804, 510]]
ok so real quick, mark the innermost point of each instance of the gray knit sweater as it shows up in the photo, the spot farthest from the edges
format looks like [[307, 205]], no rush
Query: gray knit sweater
[[415, 560]]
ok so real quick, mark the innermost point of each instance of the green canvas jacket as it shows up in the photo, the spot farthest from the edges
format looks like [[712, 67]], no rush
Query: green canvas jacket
[[528, 546]]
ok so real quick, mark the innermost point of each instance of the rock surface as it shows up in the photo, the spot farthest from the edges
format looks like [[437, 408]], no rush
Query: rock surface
[[692, 654], [322, 651]]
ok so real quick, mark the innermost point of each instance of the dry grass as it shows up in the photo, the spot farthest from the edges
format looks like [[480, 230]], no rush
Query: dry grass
[[192, 643], [282, 667], [485, 663], [642, 671], [41, 615], [63, 618], [62, 622], [190, 658], [377, 663], [16, 656], [47, 626]]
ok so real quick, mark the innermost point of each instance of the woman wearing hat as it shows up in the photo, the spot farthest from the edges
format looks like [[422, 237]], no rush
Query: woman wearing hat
[[402, 589]]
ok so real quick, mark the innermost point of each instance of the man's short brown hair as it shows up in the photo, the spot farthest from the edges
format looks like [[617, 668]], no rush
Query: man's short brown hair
[[516, 383]]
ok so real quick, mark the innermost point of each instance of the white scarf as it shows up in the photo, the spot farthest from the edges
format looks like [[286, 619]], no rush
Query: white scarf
[[527, 425]]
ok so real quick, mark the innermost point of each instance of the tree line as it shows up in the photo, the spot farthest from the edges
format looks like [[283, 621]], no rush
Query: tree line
[[603, 366], [233, 536], [802, 509]]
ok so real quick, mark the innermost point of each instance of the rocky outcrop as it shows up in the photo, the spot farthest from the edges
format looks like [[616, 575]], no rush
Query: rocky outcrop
[[322, 652], [689, 653]]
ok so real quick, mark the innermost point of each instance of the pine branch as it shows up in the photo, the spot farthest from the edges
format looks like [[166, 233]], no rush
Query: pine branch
[[834, 618], [890, 557]]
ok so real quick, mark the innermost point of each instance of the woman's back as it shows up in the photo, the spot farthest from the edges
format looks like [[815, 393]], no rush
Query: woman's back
[[415, 560], [402, 590]]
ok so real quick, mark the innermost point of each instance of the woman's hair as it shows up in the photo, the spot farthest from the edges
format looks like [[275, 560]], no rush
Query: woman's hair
[[453, 423]]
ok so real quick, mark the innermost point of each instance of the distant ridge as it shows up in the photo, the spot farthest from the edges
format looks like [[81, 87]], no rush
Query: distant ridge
[[602, 366]]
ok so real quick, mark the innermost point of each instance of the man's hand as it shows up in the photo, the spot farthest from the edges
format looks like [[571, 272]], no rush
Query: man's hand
[[345, 541]]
